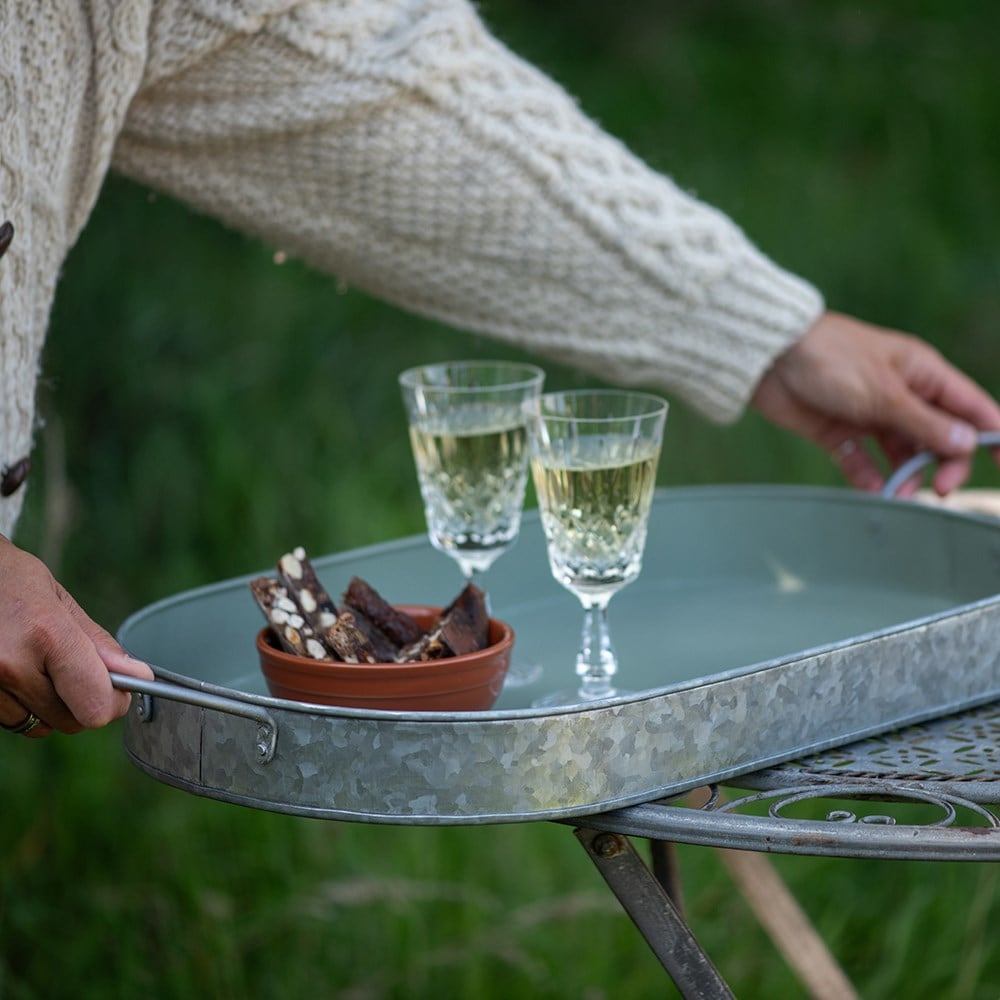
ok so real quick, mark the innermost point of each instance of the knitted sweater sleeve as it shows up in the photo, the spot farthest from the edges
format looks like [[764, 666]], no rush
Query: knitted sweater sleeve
[[401, 147]]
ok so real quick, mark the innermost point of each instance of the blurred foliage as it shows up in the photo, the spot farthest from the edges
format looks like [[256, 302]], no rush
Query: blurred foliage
[[208, 407]]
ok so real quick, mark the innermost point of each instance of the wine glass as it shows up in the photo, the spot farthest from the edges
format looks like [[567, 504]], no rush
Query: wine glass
[[593, 459], [467, 429]]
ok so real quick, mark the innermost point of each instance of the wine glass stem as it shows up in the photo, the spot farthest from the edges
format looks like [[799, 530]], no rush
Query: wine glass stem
[[596, 662]]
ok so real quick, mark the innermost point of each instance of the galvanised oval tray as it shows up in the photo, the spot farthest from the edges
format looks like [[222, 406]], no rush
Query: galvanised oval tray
[[768, 622]]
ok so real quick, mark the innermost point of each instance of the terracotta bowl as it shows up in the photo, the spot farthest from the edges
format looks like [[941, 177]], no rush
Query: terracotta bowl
[[455, 684]]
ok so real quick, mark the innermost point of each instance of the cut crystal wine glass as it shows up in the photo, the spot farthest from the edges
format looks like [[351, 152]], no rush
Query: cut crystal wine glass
[[594, 455]]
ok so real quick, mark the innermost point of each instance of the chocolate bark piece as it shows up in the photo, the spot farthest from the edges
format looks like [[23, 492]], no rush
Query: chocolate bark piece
[[463, 628], [395, 625], [350, 643], [289, 627], [465, 623], [299, 577], [386, 651]]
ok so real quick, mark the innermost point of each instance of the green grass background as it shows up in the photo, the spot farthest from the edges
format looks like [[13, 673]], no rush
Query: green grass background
[[206, 408]]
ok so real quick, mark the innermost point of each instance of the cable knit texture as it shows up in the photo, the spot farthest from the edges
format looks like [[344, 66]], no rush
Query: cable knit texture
[[395, 144]]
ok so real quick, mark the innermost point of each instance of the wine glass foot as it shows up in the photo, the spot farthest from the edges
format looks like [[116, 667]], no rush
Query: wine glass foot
[[522, 674], [556, 699]]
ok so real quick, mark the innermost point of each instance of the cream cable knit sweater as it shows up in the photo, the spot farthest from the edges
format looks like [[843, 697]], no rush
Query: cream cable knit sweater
[[393, 143]]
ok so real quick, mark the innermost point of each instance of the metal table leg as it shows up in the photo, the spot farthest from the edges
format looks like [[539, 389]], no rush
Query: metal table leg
[[663, 858], [646, 901]]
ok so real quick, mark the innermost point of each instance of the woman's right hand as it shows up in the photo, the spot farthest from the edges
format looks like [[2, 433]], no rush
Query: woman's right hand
[[54, 660]]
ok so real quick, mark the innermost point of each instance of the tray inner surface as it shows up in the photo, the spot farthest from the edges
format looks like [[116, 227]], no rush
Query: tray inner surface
[[733, 578]]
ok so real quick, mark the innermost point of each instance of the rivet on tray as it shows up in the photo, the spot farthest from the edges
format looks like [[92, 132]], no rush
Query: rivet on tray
[[266, 739]]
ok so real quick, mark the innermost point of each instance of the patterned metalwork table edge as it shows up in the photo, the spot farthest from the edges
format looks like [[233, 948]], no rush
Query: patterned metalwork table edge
[[948, 768]]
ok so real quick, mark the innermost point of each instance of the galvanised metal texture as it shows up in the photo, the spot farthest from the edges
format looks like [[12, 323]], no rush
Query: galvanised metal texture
[[768, 622]]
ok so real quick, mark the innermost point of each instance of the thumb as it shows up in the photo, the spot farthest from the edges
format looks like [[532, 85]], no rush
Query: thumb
[[111, 653]]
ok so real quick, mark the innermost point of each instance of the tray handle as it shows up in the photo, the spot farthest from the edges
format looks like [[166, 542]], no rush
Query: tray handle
[[267, 728], [987, 439]]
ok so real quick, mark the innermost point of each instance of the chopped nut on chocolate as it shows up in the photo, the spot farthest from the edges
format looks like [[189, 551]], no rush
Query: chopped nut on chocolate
[[290, 628], [349, 642], [427, 647], [303, 585]]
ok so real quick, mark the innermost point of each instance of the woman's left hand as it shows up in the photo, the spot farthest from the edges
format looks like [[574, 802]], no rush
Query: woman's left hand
[[847, 383]]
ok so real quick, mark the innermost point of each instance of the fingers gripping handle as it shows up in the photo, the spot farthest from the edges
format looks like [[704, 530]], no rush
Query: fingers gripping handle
[[987, 439]]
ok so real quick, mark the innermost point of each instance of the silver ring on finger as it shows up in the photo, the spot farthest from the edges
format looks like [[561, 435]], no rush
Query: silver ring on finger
[[844, 450], [27, 725]]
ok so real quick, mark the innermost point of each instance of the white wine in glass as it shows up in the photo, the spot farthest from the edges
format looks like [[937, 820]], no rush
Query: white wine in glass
[[467, 428], [593, 459]]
